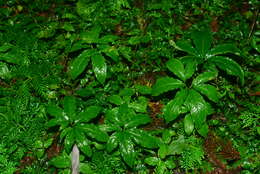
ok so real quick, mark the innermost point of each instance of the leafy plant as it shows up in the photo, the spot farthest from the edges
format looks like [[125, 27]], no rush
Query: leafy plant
[[190, 97], [74, 125], [122, 122]]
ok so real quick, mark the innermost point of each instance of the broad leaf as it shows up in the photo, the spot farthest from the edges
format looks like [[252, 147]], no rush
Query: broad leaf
[[190, 68], [228, 65], [79, 64], [204, 129], [112, 142], [202, 41], [152, 161], [177, 68], [204, 77], [144, 139], [70, 105], [126, 147], [140, 105], [223, 49], [55, 111], [209, 91], [89, 113], [85, 147], [94, 132], [115, 99], [137, 120], [187, 47], [199, 109], [99, 67], [188, 124], [62, 161], [91, 36], [165, 84], [175, 107]]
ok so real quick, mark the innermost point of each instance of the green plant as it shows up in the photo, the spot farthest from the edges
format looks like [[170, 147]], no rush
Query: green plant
[[190, 97], [74, 125], [123, 123]]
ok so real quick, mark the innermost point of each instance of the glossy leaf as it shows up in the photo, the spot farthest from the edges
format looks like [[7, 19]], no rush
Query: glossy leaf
[[140, 105], [89, 113], [99, 67], [70, 105], [187, 47], [62, 161], [126, 148], [79, 64], [94, 132], [91, 36], [202, 41], [85, 147], [115, 99], [112, 142], [175, 107], [137, 120], [204, 77], [228, 65], [223, 49], [188, 124], [199, 109], [209, 91], [165, 84], [144, 139], [152, 161], [190, 68], [176, 67]]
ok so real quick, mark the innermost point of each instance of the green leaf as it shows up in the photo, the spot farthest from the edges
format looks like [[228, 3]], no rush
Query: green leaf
[[204, 77], [199, 109], [163, 151], [152, 161], [108, 38], [91, 36], [144, 139], [190, 67], [70, 105], [112, 142], [79, 64], [202, 41], [99, 67], [55, 111], [175, 107], [165, 84], [5, 47], [176, 67], [209, 91], [204, 129], [86, 168], [126, 147], [89, 113], [110, 51], [85, 147], [137, 120], [223, 49], [94, 132], [187, 47], [140, 105], [69, 141], [62, 161], [142, 89], [188, 124], [228, 65], [115, 99]]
